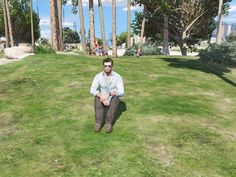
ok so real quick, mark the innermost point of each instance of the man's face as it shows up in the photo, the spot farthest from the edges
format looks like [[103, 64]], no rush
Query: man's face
[[107, 67]]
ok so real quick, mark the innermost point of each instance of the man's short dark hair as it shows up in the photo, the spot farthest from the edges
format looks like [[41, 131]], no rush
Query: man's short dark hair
[[107, 60]]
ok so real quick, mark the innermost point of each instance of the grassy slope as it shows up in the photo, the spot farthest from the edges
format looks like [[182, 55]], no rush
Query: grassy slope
[[177, 119]]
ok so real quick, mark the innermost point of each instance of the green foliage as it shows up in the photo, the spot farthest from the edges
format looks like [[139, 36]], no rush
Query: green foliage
[[120, 39], [1, 53], [20, 18], [44, 48], [148, 48], [70, 36], [223, 54], [179, 20], [231, 37]]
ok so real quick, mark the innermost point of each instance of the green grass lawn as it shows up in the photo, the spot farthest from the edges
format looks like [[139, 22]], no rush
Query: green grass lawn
[[177, 118]]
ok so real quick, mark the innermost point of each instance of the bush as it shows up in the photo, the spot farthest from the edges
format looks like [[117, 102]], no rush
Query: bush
[[44, 49], [223, 54], [1, 53], [149, 48]]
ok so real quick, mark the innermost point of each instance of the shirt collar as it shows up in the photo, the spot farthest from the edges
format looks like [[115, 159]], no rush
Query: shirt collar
[[112, 73]]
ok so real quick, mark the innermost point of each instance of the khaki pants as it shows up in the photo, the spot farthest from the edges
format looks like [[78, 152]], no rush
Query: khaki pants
[[110, 111]]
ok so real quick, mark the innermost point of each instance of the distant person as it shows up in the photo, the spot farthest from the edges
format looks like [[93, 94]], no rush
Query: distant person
[[107, 87]]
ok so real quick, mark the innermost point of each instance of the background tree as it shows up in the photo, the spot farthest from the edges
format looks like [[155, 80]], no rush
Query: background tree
[[78, 7], [122, 38], [165, 50], [20, 17], [54, 23], [92, 27], [82, 29], [189, 21], [114, 47], [9, 22], [5, 23], [32, 26], [219, 24], [102, 25], [128, 23], [70, 36]]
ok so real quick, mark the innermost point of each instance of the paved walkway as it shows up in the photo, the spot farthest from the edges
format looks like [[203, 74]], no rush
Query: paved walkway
[[5, 60]]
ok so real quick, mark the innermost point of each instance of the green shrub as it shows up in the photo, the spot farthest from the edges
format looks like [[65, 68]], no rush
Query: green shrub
[[1, 53], [44, 49], [223, 54], [149, 48]]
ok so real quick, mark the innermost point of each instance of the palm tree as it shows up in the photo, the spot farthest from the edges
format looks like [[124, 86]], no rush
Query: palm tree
[[82, 31], [5, 24], [54, 25], [114, 47], [218, 35], [102, 25], [32, 26], [59, 5], [128, 23], [142, 30], [9, 23], [92, 29], [165, 50]]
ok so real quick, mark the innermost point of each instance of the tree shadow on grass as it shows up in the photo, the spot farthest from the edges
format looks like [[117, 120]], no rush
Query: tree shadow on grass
[[212, 68], [121, 108]]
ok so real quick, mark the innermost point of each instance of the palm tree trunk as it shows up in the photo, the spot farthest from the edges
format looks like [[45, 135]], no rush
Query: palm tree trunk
[[54, 25], [102, 25], [32, 26], [218, 35], [9, 23], [92, 29], [165, 50], [60, 24], [82, 32], [114, 47], [6, 24], [128, 23], [142, 31]]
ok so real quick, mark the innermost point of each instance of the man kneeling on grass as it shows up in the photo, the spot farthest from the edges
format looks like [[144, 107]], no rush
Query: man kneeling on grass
[[107, 87]]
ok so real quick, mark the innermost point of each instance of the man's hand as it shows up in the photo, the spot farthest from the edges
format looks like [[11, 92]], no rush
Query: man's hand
[[103, 97], [113, 93]]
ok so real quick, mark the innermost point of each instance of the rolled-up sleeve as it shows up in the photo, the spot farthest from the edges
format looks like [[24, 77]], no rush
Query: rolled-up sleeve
[[120, 87], [94, 86]]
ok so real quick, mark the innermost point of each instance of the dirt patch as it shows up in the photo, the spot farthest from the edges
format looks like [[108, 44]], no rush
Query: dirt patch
[[7, 124], [162, 153], [75, 85], [225, 133]]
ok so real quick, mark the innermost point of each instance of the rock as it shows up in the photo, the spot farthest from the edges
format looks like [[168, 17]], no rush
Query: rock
[[18, 51]]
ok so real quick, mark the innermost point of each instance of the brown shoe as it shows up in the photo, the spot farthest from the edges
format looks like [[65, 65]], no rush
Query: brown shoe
[[98, 127], [108, 128]]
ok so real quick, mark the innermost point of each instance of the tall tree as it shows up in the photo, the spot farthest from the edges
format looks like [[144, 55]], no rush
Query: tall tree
[[102, 25], [82, 29], [142, 30], [78, 7], [59, 5], [9, 23], [128, 23], [114, 47], [21, 18], [55, 36], [219, 25], [92, 28], [189, 21], [165, 50], [32, 26], [5, 24]]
